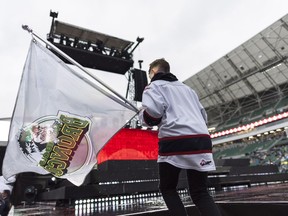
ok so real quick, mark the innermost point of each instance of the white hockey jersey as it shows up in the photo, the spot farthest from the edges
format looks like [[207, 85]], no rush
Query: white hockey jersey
[[184, 140]]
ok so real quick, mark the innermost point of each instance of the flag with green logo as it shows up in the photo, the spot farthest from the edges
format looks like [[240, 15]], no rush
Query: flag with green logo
[[61, 119]]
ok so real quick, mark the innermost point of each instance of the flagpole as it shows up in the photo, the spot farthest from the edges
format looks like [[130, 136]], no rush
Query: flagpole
[[26, 27]]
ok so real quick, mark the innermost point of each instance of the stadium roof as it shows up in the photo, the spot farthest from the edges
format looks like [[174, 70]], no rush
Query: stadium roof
[[249, 77]]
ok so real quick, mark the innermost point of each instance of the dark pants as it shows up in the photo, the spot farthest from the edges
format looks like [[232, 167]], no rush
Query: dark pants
[[197, 182]]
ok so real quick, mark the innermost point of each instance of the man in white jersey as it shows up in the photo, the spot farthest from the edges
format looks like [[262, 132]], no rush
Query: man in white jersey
[[184, 140]]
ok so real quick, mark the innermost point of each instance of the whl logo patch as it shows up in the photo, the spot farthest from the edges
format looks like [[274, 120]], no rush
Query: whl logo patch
[[205, 162]]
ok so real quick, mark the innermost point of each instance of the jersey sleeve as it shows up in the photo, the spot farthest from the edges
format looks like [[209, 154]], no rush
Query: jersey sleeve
[[152, 107]]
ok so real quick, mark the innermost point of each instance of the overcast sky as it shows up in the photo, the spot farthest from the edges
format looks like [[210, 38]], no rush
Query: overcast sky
[[190, 34]]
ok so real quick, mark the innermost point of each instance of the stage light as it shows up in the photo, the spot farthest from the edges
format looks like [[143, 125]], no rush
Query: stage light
[[68, 41], [88, 45], [139, 39], [112, 51], [76, 41], [100, 45], [53, 14], [30, 193], [61, 39]]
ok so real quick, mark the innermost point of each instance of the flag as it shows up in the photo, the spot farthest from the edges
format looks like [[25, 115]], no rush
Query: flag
[[61, 119]]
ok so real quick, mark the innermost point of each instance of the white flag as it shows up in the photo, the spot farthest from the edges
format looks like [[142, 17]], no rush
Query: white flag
[[60, 121]]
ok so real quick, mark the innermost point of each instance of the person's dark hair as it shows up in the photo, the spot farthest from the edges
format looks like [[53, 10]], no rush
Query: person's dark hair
[[162, 64]]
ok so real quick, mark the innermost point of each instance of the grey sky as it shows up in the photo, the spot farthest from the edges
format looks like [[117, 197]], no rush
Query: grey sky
[[191, 34]]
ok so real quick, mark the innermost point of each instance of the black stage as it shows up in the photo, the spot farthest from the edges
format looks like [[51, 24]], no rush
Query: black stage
[[131, 188], [264, 200]]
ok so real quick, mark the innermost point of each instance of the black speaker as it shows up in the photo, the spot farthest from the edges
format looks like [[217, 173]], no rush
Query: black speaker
[[140, 80]]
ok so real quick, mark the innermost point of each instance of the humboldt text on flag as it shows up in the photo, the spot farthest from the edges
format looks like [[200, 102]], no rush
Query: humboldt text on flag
[[60, 120]]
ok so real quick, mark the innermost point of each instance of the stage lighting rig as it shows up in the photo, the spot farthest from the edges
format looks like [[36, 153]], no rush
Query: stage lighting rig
[[92, 49]]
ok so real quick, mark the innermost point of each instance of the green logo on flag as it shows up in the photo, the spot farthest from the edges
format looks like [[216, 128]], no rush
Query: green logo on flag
[[60, 144]]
